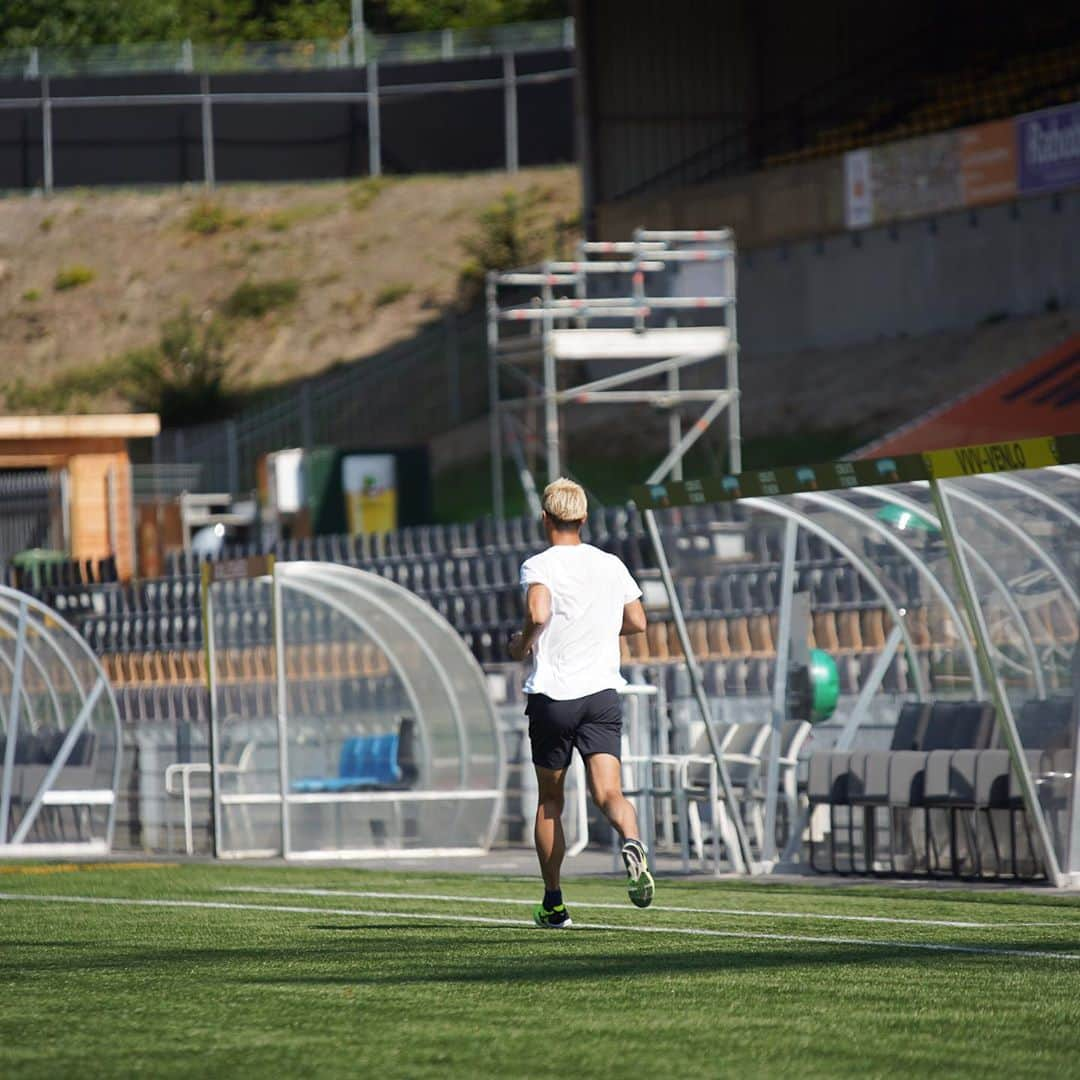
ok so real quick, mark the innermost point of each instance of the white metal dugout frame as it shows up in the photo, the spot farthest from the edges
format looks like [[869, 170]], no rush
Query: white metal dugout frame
[[58, 713], [995, 548], [613, 305], [449, 806]]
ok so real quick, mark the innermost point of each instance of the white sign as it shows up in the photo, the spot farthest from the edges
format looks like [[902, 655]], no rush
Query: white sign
[[858, 190], [285, 480]]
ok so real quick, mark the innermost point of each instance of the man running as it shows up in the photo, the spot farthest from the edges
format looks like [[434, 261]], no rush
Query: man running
[[578, 602]]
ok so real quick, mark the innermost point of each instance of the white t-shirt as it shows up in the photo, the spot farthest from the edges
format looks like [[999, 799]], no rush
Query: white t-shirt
[[577, 652]]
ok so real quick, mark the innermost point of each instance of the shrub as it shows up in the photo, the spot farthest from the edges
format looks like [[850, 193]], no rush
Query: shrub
[[207, 218], [183, 377], [71, 277], [31, 295], [508, 234], [392, 293], [253, 299]]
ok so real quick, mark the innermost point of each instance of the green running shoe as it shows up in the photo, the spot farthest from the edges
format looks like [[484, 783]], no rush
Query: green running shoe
[[558, 918], [640, 884]]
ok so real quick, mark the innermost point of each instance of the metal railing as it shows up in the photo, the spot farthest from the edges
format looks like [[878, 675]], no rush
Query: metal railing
[[336, 407], [31, 512], [348, 51], [206, 98]]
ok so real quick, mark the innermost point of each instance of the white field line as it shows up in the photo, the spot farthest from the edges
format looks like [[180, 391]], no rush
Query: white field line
[[522, 924], [738, 912]]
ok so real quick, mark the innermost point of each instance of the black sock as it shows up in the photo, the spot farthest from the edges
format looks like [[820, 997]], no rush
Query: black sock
[[552, 899]]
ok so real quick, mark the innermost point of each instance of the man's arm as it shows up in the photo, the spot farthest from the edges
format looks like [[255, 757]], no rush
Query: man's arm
[[537, 613], [633, 619]]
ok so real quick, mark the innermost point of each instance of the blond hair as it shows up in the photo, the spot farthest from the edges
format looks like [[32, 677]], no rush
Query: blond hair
[[565, 501]]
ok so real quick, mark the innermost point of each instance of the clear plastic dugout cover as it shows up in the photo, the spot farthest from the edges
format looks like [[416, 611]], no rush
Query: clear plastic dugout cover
[[849, 569], [244, 710], [377, 736], [1022, 529], [59, 736]]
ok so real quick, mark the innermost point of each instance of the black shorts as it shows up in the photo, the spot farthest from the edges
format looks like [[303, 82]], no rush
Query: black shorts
[[593, 724]]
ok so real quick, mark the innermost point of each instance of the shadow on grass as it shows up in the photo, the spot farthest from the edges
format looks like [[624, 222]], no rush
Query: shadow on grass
[[705, 957], [351, 954]]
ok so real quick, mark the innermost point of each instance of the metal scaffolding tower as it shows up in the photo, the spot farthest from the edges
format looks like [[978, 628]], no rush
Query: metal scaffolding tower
[[613, 327]]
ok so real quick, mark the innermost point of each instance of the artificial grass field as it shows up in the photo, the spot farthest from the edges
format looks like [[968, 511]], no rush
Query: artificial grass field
[[362, 985]]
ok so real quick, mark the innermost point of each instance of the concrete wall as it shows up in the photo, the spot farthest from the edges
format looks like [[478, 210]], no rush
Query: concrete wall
[[911, 279]]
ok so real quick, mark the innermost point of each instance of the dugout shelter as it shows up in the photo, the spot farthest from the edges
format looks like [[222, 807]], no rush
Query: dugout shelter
[[59, 736], [947, 587], [348, 718]]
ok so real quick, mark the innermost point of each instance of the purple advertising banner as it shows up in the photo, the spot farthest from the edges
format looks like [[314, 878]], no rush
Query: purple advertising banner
[[1049, 149]]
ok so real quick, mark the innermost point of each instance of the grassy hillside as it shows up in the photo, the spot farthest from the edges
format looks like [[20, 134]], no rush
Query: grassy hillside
[[286, 280]]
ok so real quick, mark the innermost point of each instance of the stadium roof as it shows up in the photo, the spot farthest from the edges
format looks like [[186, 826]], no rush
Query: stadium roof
[[1040, 398]]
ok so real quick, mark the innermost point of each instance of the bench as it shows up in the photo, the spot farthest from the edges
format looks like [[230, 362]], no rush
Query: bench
[[370, 763], [893, 779], [946, 763]]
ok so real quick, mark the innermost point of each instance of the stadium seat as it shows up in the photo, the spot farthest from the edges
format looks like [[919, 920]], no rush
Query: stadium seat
[[370, 762]]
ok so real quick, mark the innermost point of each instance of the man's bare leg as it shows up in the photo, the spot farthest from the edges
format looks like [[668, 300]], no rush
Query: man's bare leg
[[550, 842], [605, 786], [605, 783]]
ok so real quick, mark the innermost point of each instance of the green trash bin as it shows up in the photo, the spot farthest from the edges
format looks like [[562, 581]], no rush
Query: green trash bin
[[31, 564]]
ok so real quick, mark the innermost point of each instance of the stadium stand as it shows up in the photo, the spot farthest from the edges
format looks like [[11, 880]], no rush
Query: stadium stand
[[972, 95]]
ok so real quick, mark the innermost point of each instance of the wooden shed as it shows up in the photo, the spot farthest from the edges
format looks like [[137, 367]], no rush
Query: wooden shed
[[92, 453]]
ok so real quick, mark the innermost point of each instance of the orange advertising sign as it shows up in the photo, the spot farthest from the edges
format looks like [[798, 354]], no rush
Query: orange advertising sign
[[988, 162]]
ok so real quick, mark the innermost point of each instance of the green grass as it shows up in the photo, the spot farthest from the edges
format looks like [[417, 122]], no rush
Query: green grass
[[71, 277], [364, 192], [207, 218], [254, 299], [229, 992], [392, 293]]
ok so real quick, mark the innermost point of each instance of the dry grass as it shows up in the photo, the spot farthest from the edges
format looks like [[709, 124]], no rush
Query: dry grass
[[345, 243]]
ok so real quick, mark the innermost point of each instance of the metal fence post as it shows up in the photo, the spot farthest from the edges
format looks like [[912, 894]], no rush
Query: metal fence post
[[33, 65], [187, 55], [374, 129], [209, 178], [453, 368], [46, 135], [731, 360], [357, 30], [232, 456], [307, 432], [510, 117], [497, 495]]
